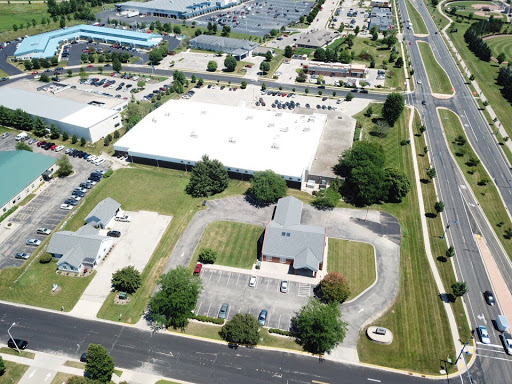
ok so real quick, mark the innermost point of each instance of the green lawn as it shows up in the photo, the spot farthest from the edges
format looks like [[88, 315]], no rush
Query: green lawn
[[14, 352], [487, 195], [486, 75], [75, 364], [418, 25], [438, 78], [21, 14], [501, 44], [417, 307], [236, 243], [355, 260], [435, 230], [62, 377], [164, 192], [13, 372]]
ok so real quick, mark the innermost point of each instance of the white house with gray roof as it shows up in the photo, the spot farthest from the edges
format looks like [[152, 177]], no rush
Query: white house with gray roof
[[287, 241], [79, 250], [240, 49], [103, 213]]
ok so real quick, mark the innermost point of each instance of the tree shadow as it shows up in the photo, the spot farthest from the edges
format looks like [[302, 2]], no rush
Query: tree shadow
[[447, 297], [425, 181], [431, 215], [442, 259], [255, 203]]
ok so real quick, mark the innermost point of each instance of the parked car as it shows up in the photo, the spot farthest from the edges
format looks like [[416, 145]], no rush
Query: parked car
[[35, 242], [22, 255], [262, 318], [83, 357], [44, 231], [59, 148], [114, 234], [78, 193], [252, 281], [100, 171], [72, 202], [284, 286], [75, 198], [223, 313], [483, 334], [20, 343], [489, 298], [85, 185], [80, 189], [506, 339], [5, 135], [198, 269], [124, 218], [67, 207]]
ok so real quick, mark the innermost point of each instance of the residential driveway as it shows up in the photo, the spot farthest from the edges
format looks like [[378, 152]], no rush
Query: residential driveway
[[379, 229], [137, 243]]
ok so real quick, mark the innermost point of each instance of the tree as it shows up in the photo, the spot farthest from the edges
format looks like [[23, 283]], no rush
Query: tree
[[265, 66], [357, 29], [172, 305], [288, 51], [116, 65], [65, 136], [369, 111], [54, 132], [334, 288], [439, 206], [62, 22], [269, 56], [39, 127], [230, 63], [267, 186], [318, 327], [21, 146], [393, 107], [327, 198], [501, 58], [45, 258], [399, 63], [2, 366], [65, 167], [208, 178], [241, 329], [319, 54], [349, 96], [243, 85], [193, 79], [127, 279], [431, 172], [116, 134], [207, 256], [176, 29], [82, 141], [74, 139], [100, 365], [212, 66], [28, 65], [226, 30], [397, 185], [450, 252], [14, 27], [459, 289]]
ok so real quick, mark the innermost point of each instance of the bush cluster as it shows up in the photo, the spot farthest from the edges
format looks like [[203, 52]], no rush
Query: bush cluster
[[280, 332], [208, 319]]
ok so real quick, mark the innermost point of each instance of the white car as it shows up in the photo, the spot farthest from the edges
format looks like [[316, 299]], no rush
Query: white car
[[35, 242], [74, 197], [59, 148], [123, 219], [284, 286], [252, 281], [100, 171], [67, 207], [44, 231], [92, 158], [484, 335], [419, 81], [99, 161]]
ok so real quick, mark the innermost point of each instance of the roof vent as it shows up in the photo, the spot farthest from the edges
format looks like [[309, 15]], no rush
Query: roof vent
[[154, 120], [284, 129], [232, 140], [306, 129], [250, 117], [167, 114], [275, 145], [193, 134]]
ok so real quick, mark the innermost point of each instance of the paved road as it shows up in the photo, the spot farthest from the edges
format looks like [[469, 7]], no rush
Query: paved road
[[4, 53], [181, 358], [495, 367]]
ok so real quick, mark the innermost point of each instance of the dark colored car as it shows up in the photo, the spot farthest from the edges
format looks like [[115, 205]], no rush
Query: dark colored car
[[96, 174], [71, 202], [22, 344], [489, 298], [262, 318], [114, 234], [78, 193], [83, 357], [198, 269]]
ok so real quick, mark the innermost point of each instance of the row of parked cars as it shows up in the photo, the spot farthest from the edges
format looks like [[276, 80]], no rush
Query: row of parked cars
[[93, 159], [34, 242], [81, 190], [47, 145], [163, 88]]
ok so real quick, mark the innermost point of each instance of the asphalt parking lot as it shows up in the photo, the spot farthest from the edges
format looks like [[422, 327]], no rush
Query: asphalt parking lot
[[4, 54], [75, 53], [260, 18], [43, 210], [233, 288]]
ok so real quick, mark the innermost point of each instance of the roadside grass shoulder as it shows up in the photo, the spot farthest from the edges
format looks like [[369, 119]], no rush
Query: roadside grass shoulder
[[14, 352], [236, 243], [418, 25], [355, 260], [74, 364], [437, 76], [478, 179], [436, 228], [164, 192], [62, 377], [13, 372], [417, 306]]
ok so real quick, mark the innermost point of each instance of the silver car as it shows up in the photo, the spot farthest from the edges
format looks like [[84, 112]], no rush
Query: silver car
[[34, 242]]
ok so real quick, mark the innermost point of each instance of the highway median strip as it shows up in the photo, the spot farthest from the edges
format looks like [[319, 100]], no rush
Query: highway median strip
[[438, 78], [418, 25]]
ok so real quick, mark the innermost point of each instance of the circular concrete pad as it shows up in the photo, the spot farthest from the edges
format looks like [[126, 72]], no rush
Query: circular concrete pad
[[380, 335]]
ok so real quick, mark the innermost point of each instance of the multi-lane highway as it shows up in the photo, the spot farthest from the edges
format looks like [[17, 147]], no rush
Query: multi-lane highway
[[492, 364]]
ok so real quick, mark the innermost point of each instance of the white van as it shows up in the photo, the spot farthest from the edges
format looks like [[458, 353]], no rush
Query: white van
[[21, 136]]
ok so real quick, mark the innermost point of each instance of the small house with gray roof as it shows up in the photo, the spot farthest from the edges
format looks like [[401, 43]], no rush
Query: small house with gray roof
[[287, 241], [79, 250], [103, 213]]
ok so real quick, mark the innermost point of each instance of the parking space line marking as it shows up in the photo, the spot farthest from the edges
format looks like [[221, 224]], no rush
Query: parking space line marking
[[211, 274], [238, 278], [208, 313], [213, 201], [220, 275], [279, 322], [199, 308], [229, 277]]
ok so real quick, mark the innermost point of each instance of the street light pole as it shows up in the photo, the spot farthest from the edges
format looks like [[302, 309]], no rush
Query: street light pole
[[16, 345]]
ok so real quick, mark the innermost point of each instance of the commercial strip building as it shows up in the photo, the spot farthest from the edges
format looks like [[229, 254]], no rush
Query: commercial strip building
[[21, 172], [47, 44], [315, 39], [245, 140], [287, 241], [337, 70], [382, 18], [76, 112], [239, 48], [174, 9]]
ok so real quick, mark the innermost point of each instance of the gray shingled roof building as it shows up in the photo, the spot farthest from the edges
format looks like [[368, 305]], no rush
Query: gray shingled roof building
[[240, 49], [288, 241], [382, 18], [79, 250], [105, 211]]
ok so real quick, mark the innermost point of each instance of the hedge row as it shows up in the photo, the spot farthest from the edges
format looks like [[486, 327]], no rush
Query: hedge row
[[6, 214], [280, 332], [208, 319]]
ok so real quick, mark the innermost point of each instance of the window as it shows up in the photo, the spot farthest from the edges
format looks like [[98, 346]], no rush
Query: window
[[268, 258], [288, 234], [283, 233], [282, 260]]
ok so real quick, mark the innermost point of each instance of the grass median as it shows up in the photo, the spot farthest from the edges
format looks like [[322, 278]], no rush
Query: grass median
[[418, 25], [417, 309], [355, 260], [437, 76], [478, 179]]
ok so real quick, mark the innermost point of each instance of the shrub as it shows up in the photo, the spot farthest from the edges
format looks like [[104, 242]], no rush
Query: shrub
[[45, 258], [207, 256], [208, 319], [280, 332], [108, 173]]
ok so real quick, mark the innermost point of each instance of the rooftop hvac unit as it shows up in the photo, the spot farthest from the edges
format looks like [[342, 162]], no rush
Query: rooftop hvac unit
[[193, 134], [153, 120], [203, 112], [275, 145], [284, 129], [232, 140], [271, 125], [306, 129], [250, 117]]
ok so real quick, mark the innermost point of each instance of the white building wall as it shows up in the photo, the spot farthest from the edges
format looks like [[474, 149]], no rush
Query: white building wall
[[106, 245]]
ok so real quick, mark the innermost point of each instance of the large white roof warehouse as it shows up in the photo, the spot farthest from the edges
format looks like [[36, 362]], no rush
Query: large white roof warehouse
[[245, 140]]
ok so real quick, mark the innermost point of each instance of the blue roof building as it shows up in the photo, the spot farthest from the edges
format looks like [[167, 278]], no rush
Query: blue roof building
[[21, 173], [47, 44]]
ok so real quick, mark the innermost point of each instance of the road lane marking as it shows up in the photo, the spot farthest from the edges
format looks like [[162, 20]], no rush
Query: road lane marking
[[495, 358], [377, 381]]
